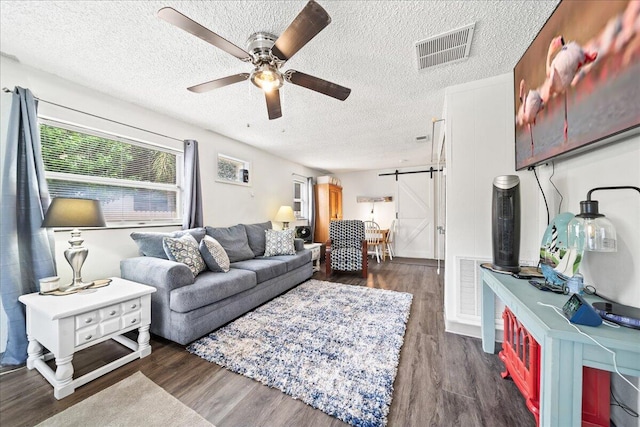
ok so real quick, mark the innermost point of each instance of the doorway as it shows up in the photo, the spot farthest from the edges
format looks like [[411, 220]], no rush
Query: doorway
[[415, 235]]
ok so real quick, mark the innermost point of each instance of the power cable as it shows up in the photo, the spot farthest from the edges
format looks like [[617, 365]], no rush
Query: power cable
[[553, 172], [533, 168], [623, 406]]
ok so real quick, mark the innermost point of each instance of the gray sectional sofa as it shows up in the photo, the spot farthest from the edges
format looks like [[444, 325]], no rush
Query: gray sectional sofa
[[186, 307]]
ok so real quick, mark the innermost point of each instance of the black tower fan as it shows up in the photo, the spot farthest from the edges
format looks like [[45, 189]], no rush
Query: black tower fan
[[505, 218]]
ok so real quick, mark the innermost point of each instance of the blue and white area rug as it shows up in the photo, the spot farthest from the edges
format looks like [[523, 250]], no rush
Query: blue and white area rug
[[335, 347]]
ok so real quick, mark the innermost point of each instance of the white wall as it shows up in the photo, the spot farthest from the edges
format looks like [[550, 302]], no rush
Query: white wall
[[223, 204], [480, 135], [617, 274], [479, 144], [368, 183]]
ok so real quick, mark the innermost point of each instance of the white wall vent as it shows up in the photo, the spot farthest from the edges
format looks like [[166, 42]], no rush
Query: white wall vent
[[445, 48], [470, 289]]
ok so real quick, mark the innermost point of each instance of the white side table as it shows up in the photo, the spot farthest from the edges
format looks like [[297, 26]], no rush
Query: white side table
[[70, 323], [315, 254]]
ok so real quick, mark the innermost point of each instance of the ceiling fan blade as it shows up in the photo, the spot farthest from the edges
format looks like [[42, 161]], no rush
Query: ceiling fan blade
[[273, 104], [181, 21], [317, 84], [215, 84], [309, 22]]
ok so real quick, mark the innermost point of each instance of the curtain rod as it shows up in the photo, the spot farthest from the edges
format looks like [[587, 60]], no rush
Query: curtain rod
[[301, 176], [430, 171], [4, 89]]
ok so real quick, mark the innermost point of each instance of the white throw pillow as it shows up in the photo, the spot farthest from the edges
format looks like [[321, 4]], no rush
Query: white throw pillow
[[279, 242], [214, 254]]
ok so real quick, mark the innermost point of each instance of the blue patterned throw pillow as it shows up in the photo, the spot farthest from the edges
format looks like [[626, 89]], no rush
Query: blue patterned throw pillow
[[214, 254], [279, 242], [150, 243], [185, 250]]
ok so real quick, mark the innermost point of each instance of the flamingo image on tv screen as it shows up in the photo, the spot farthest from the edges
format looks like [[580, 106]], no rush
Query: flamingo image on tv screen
[[578, 83]]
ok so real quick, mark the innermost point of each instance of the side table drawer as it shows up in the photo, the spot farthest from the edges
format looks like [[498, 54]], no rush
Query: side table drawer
[[87, 335], [110, 312], [109, 326], [131, 319], [86, 319], [131, 305]]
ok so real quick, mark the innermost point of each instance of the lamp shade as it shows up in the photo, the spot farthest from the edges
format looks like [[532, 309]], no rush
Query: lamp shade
[[285, 214], [68, 212]]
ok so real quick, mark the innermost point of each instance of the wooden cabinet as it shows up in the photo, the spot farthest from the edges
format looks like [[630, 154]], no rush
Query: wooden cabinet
[[328, 208]]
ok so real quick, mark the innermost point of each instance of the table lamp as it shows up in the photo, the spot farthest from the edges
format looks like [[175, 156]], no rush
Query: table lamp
[[68, 212], [592, 231], [285, 215]]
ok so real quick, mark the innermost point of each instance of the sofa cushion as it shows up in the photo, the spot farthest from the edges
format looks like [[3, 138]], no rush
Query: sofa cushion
[[150, 243], [279, 242], [256, 236], [210, 287], [185, 250], [233, 240], [264, 268], [293, 261], [214, 255]]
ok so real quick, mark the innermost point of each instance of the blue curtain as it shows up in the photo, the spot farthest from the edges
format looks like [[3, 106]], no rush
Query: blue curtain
[[192, 207], [27, 250]]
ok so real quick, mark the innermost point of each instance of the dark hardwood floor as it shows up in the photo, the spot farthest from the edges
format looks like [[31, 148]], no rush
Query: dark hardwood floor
[[443, 379]]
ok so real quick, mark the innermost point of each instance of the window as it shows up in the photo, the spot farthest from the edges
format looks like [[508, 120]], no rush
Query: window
[[300, 204], [134, 181], [233, 170]]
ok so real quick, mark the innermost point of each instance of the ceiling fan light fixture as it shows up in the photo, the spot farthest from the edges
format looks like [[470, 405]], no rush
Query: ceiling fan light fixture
[[267, 53], [267, 77]]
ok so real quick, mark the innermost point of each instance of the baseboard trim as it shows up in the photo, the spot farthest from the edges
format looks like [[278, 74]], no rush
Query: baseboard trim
[[468, 330]]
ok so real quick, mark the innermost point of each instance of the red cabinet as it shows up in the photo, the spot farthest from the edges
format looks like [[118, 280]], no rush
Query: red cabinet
[[521, 357]]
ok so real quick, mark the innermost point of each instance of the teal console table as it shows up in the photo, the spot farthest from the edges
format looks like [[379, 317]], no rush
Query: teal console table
[[563, 351]]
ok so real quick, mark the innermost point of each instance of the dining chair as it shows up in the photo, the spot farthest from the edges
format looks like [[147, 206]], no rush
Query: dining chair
[[374, 239], [388, 243]]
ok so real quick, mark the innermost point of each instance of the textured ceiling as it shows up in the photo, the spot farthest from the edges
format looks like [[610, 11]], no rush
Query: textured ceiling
[[121, 48]]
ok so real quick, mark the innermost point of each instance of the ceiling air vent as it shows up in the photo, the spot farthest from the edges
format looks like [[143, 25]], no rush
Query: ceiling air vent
[[445, 48]]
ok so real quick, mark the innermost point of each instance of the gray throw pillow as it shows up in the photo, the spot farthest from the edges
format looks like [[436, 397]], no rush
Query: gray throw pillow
[[233, 240], [185, 250], [279, 242], [214, 255], [255, 235], [150, 243]]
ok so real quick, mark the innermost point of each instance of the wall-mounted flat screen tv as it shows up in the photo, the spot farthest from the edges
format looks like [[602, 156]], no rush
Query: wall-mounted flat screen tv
[[578, 84]]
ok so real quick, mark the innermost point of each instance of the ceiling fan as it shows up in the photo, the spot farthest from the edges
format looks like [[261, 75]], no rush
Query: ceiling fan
[[267, 53]]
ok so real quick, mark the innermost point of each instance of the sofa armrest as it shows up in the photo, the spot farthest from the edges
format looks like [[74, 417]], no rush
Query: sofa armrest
[[298, 244], [163, 274]]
